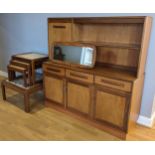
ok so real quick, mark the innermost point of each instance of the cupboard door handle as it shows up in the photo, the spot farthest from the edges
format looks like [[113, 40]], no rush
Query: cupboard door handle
[[54, 70], [59, 26], [80, 76], [112, 83]]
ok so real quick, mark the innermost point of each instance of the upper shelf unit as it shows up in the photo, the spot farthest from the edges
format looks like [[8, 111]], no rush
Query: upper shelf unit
[[116, 35], [120, 32], [120, 41]]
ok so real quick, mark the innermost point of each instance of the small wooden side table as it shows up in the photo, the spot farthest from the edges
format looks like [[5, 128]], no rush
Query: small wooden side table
[[26, 91], [35, 60]]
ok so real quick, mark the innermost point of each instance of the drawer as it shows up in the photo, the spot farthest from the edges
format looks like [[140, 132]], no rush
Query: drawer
[[121, 85], [84, 77], [54, 70]]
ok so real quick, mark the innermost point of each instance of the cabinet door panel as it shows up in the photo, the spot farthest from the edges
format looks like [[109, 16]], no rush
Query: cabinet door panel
[[78, 97], [59, 32], [110, 108], [54, 89]]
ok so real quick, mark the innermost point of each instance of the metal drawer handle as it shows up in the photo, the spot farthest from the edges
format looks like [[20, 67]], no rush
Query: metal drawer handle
[[59, 27], [80, 76], [54, 70], [112, 83]]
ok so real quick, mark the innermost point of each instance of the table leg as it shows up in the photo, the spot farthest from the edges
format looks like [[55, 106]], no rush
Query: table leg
[[13, 75], [33, 72], [27, 102], [9, 75], [29, 76], [25, 79], [3, 91]]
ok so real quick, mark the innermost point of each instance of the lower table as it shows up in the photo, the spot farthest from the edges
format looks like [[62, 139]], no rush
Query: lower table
[[26, 91]]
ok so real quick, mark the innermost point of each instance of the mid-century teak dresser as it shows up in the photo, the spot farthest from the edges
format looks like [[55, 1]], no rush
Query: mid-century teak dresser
[[107, 96]]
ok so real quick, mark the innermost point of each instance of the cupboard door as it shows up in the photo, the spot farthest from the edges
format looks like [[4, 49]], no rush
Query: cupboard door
[[59, 32], [53, 89], [111, 108], [78, 97]]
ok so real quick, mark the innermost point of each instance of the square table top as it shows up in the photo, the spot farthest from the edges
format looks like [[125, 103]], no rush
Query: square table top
[[31, 56]]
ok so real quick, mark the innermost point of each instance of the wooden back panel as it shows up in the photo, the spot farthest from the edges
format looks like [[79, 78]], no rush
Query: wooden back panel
[[118, 56], [117, 44], [113, 33]]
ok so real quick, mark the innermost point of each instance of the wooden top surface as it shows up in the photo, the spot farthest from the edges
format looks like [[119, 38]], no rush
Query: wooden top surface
[[31, 56], [102, 71], [82, 20]]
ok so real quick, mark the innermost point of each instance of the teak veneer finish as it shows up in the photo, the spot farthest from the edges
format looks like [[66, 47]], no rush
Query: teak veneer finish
[[107, 96], [55, 91], [77, 93], [114, 110]]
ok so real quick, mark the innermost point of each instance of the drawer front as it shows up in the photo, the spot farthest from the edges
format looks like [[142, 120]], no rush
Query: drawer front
[[84, 77], [121, 85], [54, 70]]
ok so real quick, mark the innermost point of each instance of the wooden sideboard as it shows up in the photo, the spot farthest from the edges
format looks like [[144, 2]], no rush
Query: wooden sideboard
[[107, 96]]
